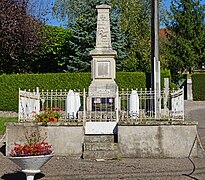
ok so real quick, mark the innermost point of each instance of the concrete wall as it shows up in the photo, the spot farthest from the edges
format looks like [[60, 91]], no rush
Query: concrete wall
[[66, 140], [160, 141], [169, 141]]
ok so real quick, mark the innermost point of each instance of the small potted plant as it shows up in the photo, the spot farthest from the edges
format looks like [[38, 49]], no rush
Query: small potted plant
[[51, 114], [33, 154]]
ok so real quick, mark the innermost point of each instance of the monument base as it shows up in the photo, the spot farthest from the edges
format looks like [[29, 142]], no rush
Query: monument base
[[102, 95]]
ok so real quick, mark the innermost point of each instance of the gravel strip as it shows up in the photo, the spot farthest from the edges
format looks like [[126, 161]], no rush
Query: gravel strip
[[8, 114]]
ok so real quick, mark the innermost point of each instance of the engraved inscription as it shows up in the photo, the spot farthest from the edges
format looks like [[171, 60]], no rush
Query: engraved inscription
[[103, 30], [103, 17], [102, 92], [103, 69]]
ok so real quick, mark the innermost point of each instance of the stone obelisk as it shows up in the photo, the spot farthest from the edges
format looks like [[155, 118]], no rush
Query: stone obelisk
[[103, 86]]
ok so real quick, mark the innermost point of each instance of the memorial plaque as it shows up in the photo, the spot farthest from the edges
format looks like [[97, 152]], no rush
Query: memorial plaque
[[103, 69]]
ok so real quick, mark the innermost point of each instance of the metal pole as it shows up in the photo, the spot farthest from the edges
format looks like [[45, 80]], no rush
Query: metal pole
[[155, 60], [84, 108]]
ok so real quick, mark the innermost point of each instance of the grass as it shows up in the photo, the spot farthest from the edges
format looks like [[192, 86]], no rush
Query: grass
[[4, 120], [118, 158]]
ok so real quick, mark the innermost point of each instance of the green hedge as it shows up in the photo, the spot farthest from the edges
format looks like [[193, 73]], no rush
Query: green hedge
[[131, 80], [198, 86], [56, 81], [166, 74]]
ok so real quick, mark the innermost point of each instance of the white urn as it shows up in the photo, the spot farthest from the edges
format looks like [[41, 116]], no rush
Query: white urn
[[31, 165]]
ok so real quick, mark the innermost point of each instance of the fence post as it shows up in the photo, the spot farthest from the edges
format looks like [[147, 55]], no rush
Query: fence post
[[38, 101], [51, 105], [189, 89], [182, 99], [84, 104], [117, 106], [19, 113]]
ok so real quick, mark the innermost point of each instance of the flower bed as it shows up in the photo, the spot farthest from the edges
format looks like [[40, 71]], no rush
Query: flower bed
[[51, 114]]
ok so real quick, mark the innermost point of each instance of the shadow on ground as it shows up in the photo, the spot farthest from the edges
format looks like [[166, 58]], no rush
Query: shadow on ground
[[3, 149], [20, 176]]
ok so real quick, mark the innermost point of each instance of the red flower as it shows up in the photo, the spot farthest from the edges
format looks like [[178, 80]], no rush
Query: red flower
[[35, 145]]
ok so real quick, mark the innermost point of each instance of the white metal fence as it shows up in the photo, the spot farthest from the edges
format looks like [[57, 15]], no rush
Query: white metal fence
[[130, 106], [29, 104]]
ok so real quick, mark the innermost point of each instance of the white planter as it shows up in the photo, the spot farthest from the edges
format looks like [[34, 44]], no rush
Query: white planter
[[31, 164]]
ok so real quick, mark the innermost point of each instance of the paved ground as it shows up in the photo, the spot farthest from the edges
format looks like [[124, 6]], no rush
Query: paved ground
[[195, 111], [63, 168]]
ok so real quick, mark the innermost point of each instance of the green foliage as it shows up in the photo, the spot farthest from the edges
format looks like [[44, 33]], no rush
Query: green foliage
[[131, 80], [130, 28], [3, 121], [135, 24], [77, 58], [11, 83], [198, 86], [186, 36], [20, 37], [53, 49], [56, 37], [26, 44], [165, 74]]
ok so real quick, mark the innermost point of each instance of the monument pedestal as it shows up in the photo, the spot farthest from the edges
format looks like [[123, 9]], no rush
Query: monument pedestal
[[103, 89], [102, 95]]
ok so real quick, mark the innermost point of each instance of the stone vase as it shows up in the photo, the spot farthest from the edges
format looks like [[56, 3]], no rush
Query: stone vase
[[31, 165]]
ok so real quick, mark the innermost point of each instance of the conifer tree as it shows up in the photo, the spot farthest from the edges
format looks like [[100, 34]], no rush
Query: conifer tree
[[186, 34], [83, 39], [129, 18]]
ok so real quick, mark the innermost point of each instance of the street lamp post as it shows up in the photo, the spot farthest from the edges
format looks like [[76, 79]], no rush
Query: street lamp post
[[155, 60]]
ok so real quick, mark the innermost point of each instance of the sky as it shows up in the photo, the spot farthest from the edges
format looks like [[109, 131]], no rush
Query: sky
[[54, 22]]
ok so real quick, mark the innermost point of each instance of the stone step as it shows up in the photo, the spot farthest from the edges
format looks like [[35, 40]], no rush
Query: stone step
[[100, 154], [100, 146], [99, 138]]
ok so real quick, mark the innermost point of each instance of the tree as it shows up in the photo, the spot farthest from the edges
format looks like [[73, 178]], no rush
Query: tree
[[20, 37], [133, 19], [53, 48], [135, 23], [186, 34], [77, 57]]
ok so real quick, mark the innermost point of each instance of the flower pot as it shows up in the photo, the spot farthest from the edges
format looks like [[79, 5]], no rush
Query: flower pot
[[54, 120], [31, 164]]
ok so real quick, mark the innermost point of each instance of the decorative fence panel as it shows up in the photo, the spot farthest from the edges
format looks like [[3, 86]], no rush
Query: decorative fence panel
[[70, 103], [29, 104], [131, 105], [177, 100]]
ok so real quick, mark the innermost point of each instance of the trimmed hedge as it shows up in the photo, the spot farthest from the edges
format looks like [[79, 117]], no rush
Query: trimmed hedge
[[131, 80], [198, 86], [166, 74], [56, 81]]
